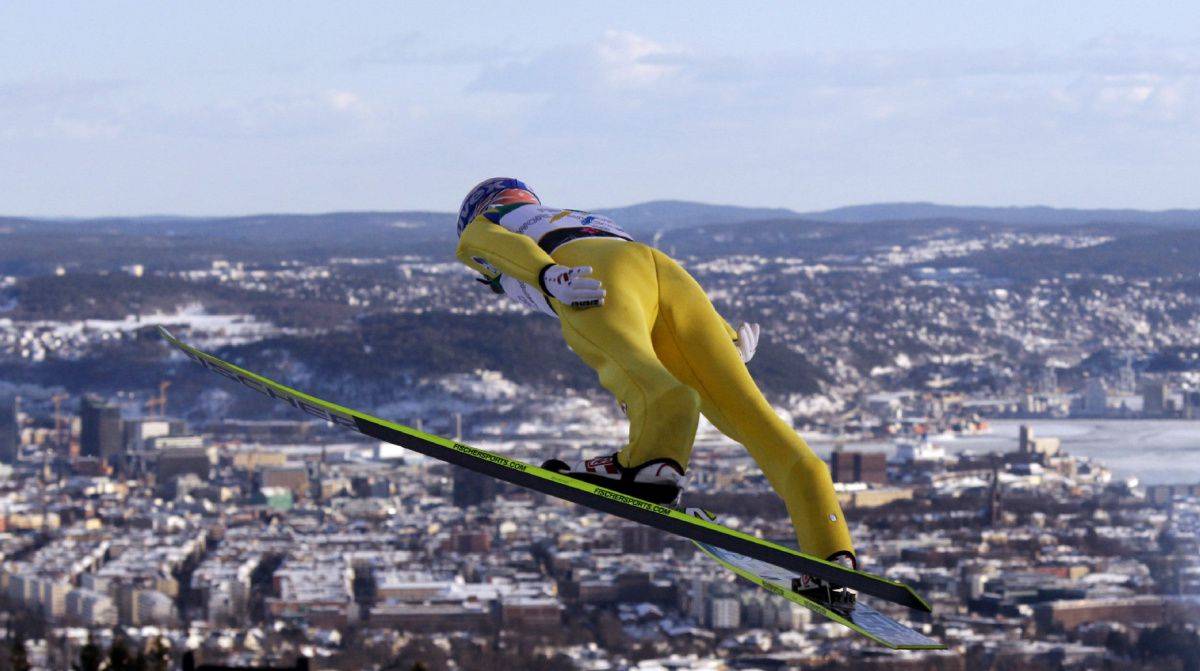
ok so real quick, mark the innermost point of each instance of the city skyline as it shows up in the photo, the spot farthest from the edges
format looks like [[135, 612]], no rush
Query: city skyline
[[1007, 410]]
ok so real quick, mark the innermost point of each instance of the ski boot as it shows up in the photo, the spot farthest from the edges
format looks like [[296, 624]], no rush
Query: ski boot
[[656, 481], [824, 592]]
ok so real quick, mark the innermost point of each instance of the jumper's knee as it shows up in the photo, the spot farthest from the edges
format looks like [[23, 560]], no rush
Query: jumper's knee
[[805, 475], [679, 404]]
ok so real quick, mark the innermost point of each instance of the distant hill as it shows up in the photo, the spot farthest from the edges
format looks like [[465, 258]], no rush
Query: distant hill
[[649, 216], [666, 214], [1140, 253], [1036, 215], [1132, 250], [258, 228], [643, 217], [809, 239], [30, 246], [36, 246]]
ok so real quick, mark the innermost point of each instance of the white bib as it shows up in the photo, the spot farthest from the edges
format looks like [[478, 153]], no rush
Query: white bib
[[535, 221]]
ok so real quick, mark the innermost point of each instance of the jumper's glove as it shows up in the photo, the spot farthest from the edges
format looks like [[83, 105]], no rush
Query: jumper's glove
[[571, 286], [747, 340]]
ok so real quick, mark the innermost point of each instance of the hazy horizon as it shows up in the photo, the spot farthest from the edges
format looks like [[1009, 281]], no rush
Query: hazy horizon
[[451, 211]]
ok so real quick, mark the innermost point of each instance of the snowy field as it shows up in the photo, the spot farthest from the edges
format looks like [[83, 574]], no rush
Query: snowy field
[[1155, 451], [35, 340]]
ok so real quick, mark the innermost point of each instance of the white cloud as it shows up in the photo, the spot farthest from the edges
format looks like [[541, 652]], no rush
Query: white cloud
[[629, 60], [1154, 98], [620, 61], [343, 101]]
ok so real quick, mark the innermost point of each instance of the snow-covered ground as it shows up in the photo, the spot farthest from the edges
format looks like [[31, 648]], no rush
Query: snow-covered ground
[[33, 340]]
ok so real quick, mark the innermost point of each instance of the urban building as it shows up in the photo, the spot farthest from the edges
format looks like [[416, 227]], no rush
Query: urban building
[[174, 461], [473, 489], [868, 467], [101, 433], [1154, 398], [10, 432], [1037, 448]]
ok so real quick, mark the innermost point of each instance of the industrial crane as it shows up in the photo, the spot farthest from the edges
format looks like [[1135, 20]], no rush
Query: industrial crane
[[159, 403]]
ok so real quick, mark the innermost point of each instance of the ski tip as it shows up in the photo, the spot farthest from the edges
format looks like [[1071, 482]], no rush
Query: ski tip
[[162, 330]]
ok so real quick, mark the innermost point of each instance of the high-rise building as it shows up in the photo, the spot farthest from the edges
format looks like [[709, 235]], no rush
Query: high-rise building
[[1191, 405], [1095, 397], [995, 502], [473, 489], [641, 539], [1048, 380], [858, 466], [1126, 377], [10, 434], [101, 433], [1036, 448], [1154, 398], [724, 613]]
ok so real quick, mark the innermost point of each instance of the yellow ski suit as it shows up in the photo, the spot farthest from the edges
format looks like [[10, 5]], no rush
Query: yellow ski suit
[[659, 346]]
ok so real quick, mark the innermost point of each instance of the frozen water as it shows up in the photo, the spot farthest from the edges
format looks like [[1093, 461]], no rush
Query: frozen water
[[1154, 451]]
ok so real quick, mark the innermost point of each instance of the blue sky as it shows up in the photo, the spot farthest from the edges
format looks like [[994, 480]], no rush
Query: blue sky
[[220, 108]]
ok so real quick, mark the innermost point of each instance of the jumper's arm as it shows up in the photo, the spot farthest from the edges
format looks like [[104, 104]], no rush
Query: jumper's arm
[[513, 254]]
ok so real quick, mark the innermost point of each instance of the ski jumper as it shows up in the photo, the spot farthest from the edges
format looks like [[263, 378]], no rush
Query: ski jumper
[[659, 346]]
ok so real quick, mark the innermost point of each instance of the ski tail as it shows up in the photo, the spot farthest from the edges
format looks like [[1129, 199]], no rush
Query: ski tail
[[860, 617]]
